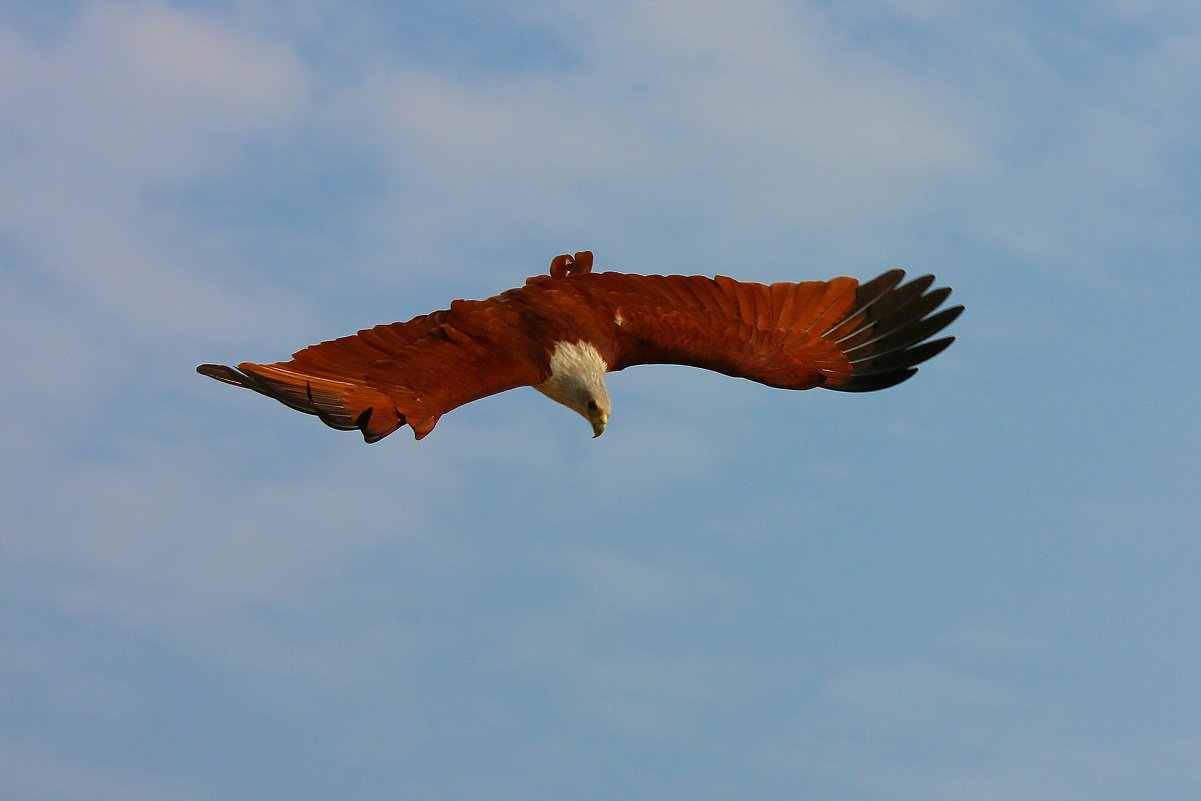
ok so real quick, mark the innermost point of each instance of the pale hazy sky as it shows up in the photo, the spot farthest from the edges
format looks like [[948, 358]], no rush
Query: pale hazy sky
[[983, 585]]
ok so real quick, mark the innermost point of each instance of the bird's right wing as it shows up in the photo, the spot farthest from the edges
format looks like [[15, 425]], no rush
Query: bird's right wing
[[413, 372]]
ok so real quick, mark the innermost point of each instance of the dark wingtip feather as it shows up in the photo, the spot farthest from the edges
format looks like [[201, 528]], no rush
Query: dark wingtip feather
[[222, 373], [872, 383], [894, 334]]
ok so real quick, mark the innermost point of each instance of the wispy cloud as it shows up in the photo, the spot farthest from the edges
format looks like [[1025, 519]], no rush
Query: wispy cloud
[[123, 102], [666, 116]]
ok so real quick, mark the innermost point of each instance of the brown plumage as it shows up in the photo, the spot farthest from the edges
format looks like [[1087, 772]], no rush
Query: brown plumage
[[560, 332]]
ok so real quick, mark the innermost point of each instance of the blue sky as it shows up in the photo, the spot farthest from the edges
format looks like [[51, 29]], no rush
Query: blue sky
[[980, 586]]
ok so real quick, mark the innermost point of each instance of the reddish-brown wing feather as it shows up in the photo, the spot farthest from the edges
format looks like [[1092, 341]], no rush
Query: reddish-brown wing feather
[[384, 377], [837, 334]]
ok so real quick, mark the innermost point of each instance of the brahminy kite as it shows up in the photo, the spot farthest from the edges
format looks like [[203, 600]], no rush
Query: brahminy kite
[[560, 334]]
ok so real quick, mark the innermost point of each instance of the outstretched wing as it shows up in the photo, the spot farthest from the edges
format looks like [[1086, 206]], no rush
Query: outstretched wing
[[414, 372], [837, 334]]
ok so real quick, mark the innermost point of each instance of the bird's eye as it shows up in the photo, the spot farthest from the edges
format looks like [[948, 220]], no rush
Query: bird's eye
[[592, 407]]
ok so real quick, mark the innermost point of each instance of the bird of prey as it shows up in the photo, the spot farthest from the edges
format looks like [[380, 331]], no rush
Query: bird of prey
[[560, 333]]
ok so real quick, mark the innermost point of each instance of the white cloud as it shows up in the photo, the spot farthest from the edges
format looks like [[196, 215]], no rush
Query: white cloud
[[165, 540], [128, 93], [741, 121], [125, 101]]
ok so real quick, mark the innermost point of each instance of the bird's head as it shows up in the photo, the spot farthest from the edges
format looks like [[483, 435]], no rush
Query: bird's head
[[578, 382], [596, 412]]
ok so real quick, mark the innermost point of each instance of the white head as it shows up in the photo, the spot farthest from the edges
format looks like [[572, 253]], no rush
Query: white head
[[578, 382]]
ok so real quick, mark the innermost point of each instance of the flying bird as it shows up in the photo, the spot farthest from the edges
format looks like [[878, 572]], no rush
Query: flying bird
[[560, 333]]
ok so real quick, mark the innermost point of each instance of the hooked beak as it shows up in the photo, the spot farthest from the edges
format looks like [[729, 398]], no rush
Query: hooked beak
[[598, 425]]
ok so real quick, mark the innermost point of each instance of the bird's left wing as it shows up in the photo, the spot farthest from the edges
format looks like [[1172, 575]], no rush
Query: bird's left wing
[[413, 372], [839, 334]]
